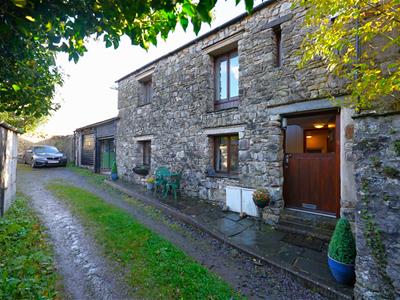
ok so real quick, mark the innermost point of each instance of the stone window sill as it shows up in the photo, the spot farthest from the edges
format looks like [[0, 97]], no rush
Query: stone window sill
[[227, 176], [143, 105], [221, 110], [231, 103]]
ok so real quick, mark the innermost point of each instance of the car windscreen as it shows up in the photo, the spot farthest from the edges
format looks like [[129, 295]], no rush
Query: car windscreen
[[38, 150]]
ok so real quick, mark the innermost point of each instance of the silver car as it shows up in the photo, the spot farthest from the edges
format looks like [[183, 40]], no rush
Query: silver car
[[41, 156]]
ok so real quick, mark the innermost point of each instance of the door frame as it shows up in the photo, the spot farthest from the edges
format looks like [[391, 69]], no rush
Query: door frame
[[98, 150], [337, 111]]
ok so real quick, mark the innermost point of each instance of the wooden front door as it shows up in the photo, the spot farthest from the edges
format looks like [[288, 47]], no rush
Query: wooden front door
[[311, 162]]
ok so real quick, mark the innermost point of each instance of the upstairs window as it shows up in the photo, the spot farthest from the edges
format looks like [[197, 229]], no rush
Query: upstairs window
[[147, 92], [278, 46], [226, 154], [227, 80]]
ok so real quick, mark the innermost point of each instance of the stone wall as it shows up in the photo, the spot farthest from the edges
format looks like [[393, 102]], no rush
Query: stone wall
[[64, 143], [377, 169], [8, 165], [182, 107]]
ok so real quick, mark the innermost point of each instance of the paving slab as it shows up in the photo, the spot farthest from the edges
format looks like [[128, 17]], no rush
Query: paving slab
[[226, 227], [257, 239]]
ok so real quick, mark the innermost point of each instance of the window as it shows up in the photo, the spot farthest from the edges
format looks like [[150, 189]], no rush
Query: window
[[278, 46], [226, 154], [227, 80], [146, 148], [147, 92]]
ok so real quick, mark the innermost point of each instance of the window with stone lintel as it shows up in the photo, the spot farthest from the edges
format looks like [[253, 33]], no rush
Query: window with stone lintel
[[227, 80]]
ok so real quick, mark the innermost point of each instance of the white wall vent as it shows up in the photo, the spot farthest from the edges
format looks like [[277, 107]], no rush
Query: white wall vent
[[240, 200]]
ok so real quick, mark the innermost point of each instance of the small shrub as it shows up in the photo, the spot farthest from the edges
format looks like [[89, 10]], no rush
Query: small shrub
[[114, 168], [261, 195], [342, 246], [150, 179]]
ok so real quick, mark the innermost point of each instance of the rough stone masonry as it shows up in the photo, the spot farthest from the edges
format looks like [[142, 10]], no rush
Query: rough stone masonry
[[181, 115], [182, 108]]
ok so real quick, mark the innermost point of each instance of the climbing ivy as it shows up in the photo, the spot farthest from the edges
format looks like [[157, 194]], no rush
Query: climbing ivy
[[396, 145], [373, 238]]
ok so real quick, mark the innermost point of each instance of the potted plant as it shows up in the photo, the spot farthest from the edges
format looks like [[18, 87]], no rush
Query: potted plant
[[261, 198], [150, 183], [114, 172], [342, 253], [141, 170]]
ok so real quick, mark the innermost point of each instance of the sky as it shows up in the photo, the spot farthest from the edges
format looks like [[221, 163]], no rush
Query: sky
[[87, 95]]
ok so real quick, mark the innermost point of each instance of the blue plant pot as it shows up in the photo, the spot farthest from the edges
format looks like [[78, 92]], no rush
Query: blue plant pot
[[114, 176], [150, 186], [343, 273]]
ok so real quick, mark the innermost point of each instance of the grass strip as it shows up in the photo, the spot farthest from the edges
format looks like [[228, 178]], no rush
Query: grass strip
[[157, 269], [26, 259], [92, 177]]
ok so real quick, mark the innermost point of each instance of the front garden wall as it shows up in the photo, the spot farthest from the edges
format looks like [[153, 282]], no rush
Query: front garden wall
[[377, 169]]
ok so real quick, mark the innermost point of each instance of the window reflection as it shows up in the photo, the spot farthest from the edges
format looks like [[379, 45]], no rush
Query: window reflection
[[234, 76], [226, 154]]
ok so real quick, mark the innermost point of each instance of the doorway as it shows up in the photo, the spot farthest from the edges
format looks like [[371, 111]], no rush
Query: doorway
[[312, 162], [107, 155]]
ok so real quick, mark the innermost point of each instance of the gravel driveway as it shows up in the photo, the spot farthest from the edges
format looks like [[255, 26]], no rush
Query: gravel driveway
[[87, 275]]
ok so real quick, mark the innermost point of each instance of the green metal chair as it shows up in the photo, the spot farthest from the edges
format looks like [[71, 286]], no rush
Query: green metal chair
[[161, 175], [173, 185]]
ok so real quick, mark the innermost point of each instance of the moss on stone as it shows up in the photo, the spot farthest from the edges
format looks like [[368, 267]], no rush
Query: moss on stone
[[390, 171], [396, 145]]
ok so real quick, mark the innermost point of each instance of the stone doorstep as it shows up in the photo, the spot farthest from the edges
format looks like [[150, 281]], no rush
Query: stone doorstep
[[303, 278], [304, 230]]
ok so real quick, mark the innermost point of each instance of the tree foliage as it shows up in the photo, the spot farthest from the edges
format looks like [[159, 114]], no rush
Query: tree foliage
[[372, 70], [32, 31]]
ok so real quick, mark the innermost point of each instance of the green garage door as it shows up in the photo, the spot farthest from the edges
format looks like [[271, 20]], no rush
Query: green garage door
[[107, 154]]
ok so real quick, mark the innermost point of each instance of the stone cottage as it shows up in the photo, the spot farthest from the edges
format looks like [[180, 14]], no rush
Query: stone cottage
[[232, 109]]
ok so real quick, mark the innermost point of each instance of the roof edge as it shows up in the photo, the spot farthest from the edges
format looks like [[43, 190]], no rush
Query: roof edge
[[97, 123], [194, 41]]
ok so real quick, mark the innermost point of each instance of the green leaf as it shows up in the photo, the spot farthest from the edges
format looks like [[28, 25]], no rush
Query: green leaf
[[19, 3], [249, 5], [16, 87], [30, 18], [184, 22], [188, 9]]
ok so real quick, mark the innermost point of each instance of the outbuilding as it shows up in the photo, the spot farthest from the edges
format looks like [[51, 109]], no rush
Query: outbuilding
[[95, 146]]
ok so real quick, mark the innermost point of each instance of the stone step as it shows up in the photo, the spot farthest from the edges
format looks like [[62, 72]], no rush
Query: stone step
[[304, 218], [306, 230]]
